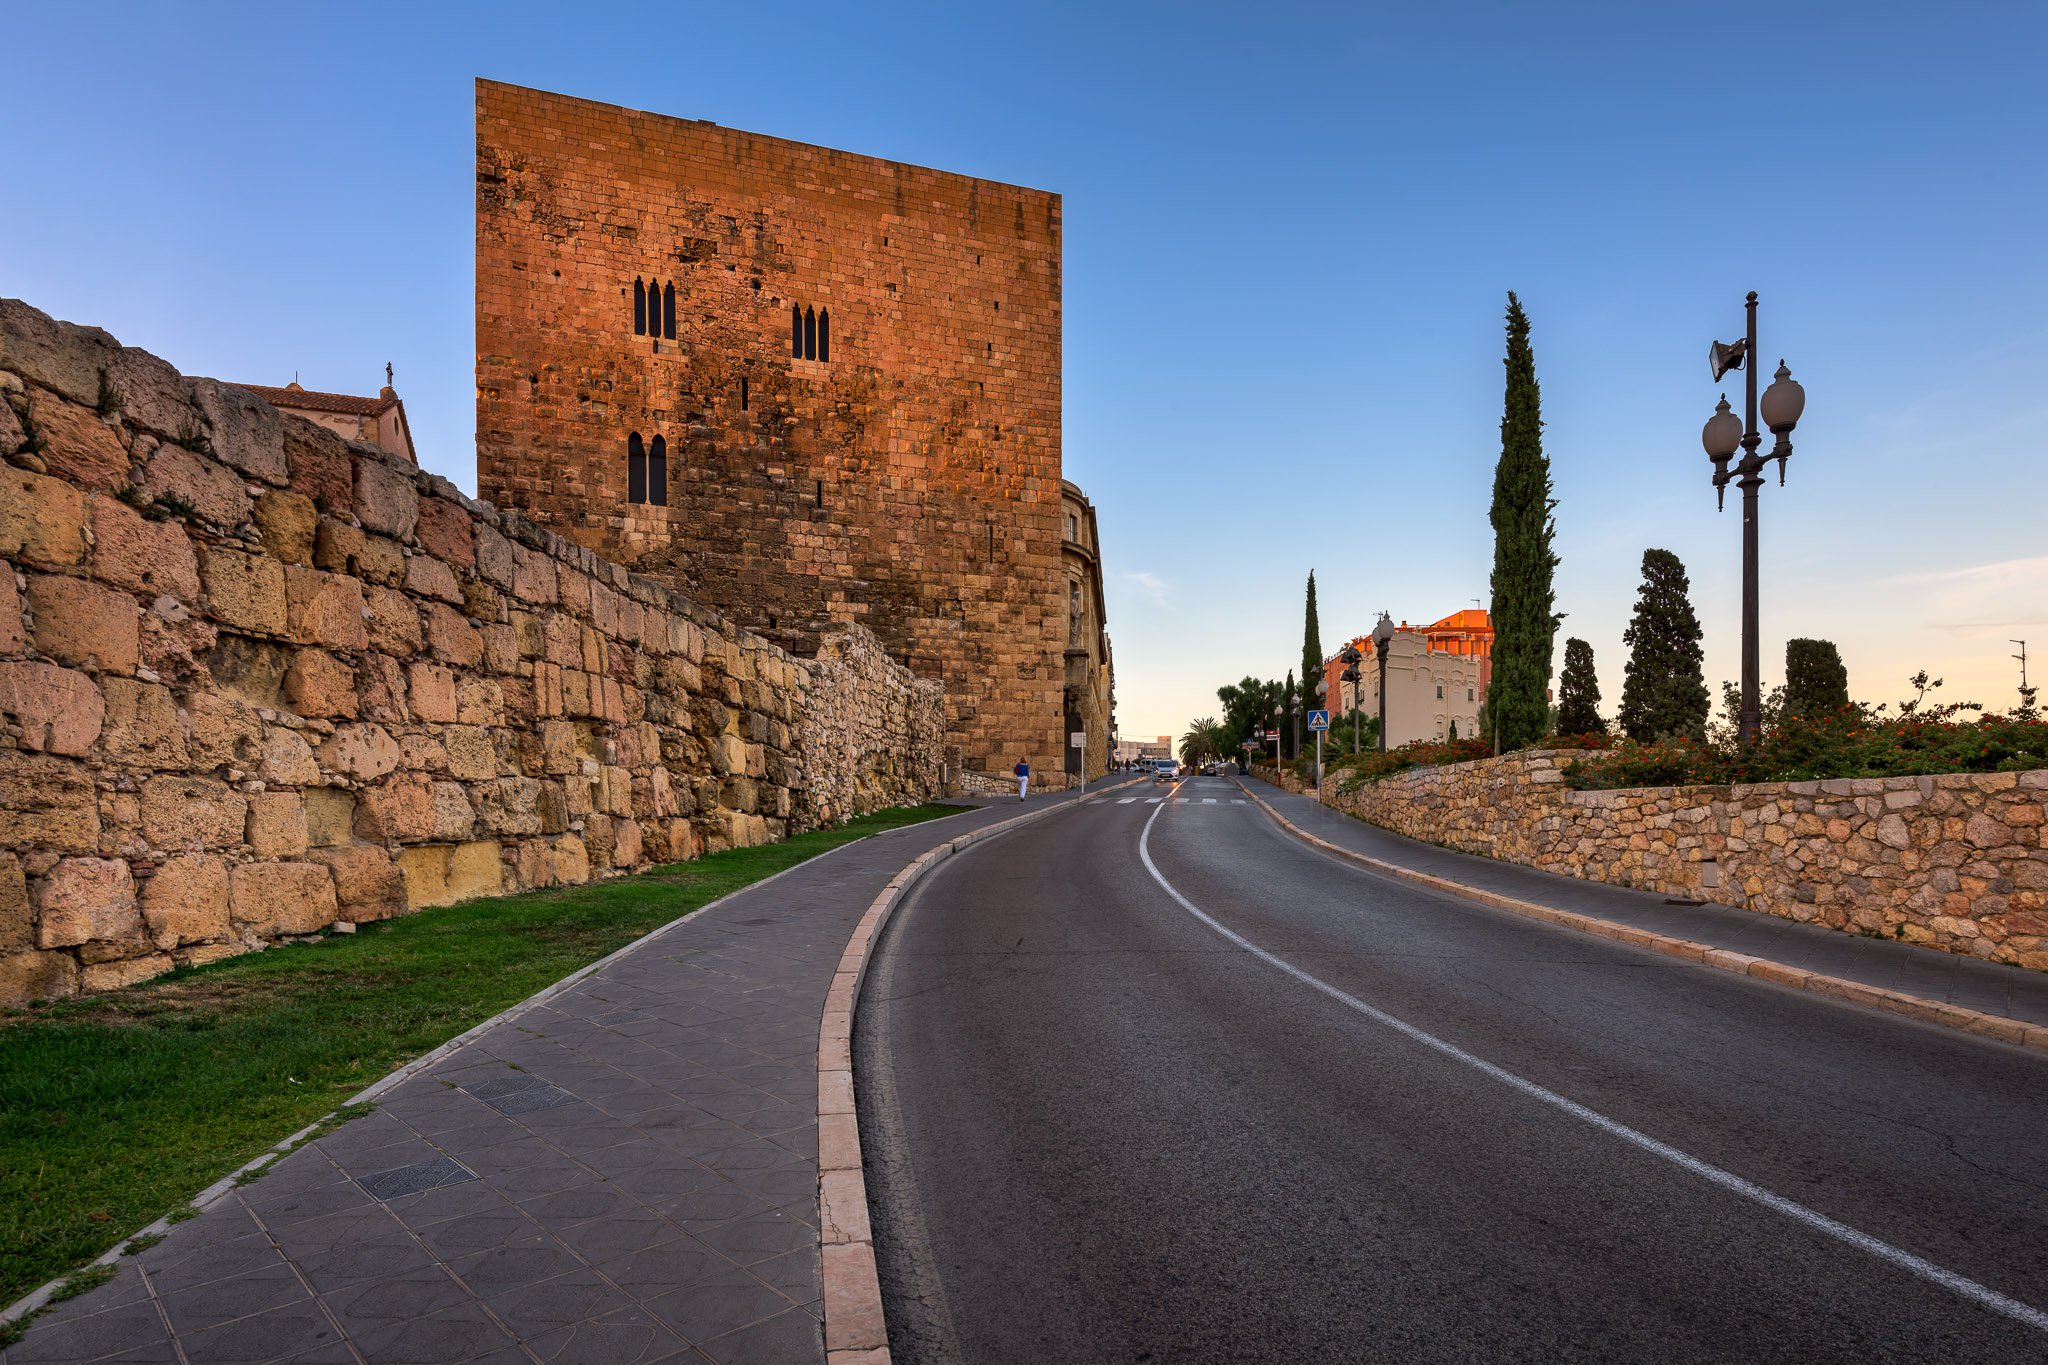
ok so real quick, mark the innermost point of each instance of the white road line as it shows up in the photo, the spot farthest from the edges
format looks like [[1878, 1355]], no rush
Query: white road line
[[1125, 800], [1153, 800], [1238, 801], [1208, 800], [1983, 1295]]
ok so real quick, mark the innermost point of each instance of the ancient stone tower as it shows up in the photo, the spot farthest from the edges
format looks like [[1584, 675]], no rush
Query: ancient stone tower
[[798, 384]]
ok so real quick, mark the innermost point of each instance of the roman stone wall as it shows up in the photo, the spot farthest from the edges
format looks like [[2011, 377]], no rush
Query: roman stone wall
[[1958, 861], [256, 679], [909, 481]]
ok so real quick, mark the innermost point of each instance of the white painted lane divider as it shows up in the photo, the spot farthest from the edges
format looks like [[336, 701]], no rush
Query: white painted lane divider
[[1982, 1295]]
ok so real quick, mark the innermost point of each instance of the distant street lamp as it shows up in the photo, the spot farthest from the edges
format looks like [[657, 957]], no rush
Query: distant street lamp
[[1351, 658], [1782, 405], [1382, 636]]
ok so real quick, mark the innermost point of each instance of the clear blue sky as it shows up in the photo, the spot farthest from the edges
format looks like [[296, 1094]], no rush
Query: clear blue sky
[[1289, 234]]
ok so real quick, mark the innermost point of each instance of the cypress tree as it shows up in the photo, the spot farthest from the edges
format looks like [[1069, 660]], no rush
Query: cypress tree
[[1312, 652], [1665, 693], [1578, 692], [1816, 682], [1290, 736], [1524, 619]]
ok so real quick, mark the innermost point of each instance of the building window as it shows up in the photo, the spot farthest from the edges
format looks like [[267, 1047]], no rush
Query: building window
[[668, 311], [743, 393], [639, 308], [810, 333], [1439, 691], [657, 472], [636, 469], [1073, 527], [1468, 694]]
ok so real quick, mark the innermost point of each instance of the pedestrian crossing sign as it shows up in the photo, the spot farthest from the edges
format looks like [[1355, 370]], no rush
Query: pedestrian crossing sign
[[1319, 720]]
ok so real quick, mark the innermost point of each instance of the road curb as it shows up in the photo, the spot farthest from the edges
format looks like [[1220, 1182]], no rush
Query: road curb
[[855, 1331], [1996, 1026]]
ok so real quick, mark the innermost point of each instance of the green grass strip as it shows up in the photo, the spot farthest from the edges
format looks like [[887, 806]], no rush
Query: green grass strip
[[115, 1110]]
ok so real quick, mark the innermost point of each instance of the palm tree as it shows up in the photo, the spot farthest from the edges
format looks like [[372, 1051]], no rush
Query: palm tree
[[1199, 744]]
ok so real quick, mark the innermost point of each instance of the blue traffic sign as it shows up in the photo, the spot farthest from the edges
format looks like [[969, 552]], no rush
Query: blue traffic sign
[[1319, 720]]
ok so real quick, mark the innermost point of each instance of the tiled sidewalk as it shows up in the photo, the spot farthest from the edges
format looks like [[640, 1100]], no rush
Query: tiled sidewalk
[[1929, 973], [624, 1172]]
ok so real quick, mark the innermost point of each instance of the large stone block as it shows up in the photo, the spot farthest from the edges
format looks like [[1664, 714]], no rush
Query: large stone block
[[37, 975], [151, 393], [431, 689], [79, 446], [442, 874], [429, 577], [187, 900], [192, 813], [444, 532], [242, 590], [126, 971], [471, 755], [222, 732], [287, 522], [320, 685], [247, 433], [450, 636], [47, 803], [397, 810], [325, 609], [142, 728], [42, 520], [130, 551], [509, 805], [367, 882], [330, 816], [57, 355], [251, 670], [191, 484], [287, 759], [81, 622], [387, 500], [323, 467], [394, 622], [17, 920], [362, 753], [454, 819], [50, 709], [281, 898], [277, 824], [86, 900]]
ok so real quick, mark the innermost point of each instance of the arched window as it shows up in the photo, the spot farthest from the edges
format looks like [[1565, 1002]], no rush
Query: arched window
[[636, 469], [796, 332], [639, 307], [810, 335], [657, 472], [668, 310], [825, 334]]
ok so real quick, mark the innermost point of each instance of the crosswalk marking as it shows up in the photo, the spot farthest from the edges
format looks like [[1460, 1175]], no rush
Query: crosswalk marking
[[1208, 800], [1125, 800]]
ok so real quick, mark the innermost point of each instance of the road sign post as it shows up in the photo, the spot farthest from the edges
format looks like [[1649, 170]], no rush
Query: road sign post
[[1319, 721]]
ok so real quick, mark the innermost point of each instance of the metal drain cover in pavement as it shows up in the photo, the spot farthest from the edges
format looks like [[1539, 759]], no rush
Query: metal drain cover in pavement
[[421, 1175], [516, 1095]]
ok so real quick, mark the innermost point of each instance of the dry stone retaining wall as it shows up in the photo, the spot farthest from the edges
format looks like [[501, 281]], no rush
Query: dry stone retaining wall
[[256, 679], [1958, 861]]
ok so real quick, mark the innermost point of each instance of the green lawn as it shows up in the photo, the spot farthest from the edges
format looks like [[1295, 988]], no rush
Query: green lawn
[[116, 1110]]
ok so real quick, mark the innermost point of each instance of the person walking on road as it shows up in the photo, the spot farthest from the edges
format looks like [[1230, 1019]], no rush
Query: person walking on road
[[1023, 775]]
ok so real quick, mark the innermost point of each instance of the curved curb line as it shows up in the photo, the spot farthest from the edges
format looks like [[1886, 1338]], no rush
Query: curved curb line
[[36, 1300], [1937, 1012], [856, 1333]]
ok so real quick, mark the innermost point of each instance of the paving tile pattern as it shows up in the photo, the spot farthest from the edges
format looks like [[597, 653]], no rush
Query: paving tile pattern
[[625, 1172], [1991, 987]]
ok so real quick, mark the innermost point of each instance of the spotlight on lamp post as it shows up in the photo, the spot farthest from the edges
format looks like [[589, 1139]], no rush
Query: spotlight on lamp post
[[1383, 636], [1723, 434], [1351, 658]]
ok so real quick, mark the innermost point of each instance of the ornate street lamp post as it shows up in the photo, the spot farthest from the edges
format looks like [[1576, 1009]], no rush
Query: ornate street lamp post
[[1382, 636], [1350, 658], [1782, 405]]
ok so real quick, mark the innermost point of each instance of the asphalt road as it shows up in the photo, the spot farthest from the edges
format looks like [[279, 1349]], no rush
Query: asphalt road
[[1099, 1128]]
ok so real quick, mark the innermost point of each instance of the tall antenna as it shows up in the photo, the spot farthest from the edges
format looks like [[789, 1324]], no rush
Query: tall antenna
[[2022, 657]]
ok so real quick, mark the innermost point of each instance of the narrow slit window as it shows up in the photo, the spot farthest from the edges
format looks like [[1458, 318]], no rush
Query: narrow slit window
[[639, 308], [824, 334], [796, 332], [636, 469], [657, 472], [810, 335], [743, 393], [668, 310]]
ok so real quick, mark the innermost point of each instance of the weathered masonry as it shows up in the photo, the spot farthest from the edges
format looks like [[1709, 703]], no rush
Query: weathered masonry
[[256, 679], [796, 384]]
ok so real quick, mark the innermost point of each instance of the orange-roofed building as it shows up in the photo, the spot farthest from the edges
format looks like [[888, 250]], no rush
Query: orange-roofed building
[[1438, 675], [378, 421]]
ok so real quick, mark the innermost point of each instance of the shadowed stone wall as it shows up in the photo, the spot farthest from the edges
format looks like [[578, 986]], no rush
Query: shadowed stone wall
[[1956, 861], [256, 679]]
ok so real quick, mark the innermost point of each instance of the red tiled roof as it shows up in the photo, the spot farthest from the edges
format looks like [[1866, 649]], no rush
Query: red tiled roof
[[309, 399]]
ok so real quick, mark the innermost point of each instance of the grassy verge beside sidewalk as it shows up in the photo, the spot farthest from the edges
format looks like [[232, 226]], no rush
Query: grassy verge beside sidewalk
[[117, 1109]]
